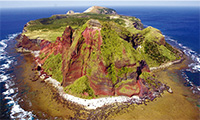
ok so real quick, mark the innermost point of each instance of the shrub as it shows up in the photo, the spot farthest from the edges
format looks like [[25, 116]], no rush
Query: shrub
[[152, 50], [112, 73], [80, 86], [53, 66]]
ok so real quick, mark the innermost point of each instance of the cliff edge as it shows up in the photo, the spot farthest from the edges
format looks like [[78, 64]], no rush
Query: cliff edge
[[99, 55]]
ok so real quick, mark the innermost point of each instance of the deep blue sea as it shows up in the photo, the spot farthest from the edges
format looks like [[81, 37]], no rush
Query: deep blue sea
[[180, 25]]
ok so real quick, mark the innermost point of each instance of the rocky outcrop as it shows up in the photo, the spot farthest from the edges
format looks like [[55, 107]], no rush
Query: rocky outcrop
[[26, 45], [102, 57], [138, 25], [100, 10], [61, 44], [81, 56]]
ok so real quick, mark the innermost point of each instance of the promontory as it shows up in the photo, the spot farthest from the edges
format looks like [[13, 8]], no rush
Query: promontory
[[99, 53]]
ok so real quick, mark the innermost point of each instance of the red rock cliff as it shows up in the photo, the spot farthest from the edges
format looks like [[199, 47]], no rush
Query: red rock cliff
[[82, 56]]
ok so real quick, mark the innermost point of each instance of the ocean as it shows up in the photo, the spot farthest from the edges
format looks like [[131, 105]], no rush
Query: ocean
[[180, 25]]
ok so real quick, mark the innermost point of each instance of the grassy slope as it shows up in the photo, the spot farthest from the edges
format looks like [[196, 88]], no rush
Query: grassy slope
[[80, 86], [112, 50], [117, 35], [52, 27], [53, 66]]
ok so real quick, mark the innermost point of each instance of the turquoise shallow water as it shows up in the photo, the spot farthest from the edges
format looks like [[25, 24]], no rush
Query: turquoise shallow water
[[179, 25]]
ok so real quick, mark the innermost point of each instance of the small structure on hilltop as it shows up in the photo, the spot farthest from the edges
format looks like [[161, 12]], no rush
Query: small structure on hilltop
[[100, 10], [71, 12]]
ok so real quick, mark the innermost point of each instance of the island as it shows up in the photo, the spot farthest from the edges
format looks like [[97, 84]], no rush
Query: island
[[99, 58]]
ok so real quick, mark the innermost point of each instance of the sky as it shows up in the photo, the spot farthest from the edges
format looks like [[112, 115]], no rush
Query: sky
[[63, 3]]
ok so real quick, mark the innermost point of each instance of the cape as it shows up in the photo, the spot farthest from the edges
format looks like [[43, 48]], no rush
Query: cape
[[99, 53]]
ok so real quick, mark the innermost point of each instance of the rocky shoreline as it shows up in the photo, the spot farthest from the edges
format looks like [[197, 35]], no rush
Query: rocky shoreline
[[137, 91], [102, 102], [167, 64], [92, 104], [167, 102]]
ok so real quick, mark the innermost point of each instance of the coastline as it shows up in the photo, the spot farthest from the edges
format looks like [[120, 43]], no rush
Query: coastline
[[168, 64], [101, 103], [35, 99], [182, 104], [172, 106], [92, 104]]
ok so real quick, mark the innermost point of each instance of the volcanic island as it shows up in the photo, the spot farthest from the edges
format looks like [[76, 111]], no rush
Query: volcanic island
[[99, 60]]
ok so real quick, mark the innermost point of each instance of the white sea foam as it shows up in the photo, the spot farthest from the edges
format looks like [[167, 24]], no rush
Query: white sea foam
[[194, 67], [18, 113], [5, 66], [3, 77], [3, 45], [8, 92], [36, 53], [11, 93]]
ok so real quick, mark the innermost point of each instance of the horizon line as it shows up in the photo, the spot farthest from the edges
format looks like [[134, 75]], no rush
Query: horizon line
[[31, 4], [103, 6]]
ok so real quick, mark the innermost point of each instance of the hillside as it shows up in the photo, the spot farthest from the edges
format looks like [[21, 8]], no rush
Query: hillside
[[94, 54], [100, 10]]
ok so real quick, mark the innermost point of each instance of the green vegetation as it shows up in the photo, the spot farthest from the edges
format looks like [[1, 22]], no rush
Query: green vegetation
[[123, 47], [80, 86], [42, 56], [54, 23], [150, 80], [145, 75], [53, 66], [112, 73], [122, 71], [125, 90], [108, 10], [123, 82], [46, 34], [173, 50], [152, 34], [152, 49], [112, 45], [52, 27], [121, 31], [133, 55], [167, 53], [113, 36], [57, 22], [156, 54]]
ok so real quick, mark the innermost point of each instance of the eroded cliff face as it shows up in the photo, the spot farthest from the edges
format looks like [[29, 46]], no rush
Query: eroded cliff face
[[82, 55], [27, 44]]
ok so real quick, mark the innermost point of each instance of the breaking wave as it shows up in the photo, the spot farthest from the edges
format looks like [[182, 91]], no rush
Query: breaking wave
[[9, 91], [193, 67]]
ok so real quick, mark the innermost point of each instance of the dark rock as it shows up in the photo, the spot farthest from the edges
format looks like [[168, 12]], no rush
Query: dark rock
[[29, 44]]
